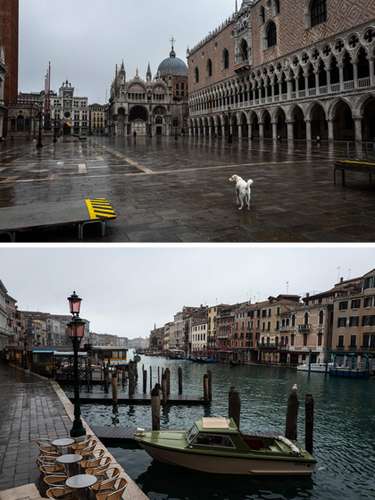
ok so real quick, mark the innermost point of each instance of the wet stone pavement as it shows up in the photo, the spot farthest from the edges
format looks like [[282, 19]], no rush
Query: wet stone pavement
[[30, 409], [178, 191]]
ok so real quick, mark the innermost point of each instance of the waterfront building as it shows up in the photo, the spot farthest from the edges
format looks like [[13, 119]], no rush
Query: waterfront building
[[224, 330], [353, 342], [4, 330], [157, 339], [244, 336], [179, 323], [137, 343], [199, 327], [105, 339], [150, 106], [287, 71], [98, 119]]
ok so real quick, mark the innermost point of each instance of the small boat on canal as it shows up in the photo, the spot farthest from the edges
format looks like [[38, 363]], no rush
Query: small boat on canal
[[216, 446]]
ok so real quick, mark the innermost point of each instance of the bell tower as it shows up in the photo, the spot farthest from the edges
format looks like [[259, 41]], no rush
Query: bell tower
[[9, 22]]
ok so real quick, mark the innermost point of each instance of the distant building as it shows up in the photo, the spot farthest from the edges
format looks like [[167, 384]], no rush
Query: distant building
[[98, 122], [69, 112], [199, 335], [157, 339], [105, 339], [138, 343]]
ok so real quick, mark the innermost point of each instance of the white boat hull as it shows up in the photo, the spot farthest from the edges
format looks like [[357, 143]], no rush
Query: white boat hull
[[315, 368], [229, 465]]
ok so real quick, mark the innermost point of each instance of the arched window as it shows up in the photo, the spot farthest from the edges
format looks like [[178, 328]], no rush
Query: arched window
[[226, 58], [321, 317], [262, 15], [209, 68], [196, 75], [271, 35], [318, 12], [244, 49]]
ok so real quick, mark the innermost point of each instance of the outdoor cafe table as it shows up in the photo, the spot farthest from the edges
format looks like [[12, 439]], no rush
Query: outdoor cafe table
[[63, 443], [70, 462], [81, 483]]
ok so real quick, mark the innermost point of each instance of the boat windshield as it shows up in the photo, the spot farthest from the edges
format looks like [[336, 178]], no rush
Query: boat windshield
[[192, 434]]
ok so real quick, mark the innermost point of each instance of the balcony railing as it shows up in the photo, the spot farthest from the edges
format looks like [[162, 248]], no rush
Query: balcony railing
[[304, 328]]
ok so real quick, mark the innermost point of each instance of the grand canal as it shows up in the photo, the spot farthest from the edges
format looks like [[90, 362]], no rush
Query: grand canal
[[344, 436]]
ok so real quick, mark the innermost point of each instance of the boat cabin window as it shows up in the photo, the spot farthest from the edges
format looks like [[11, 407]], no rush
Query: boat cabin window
[[216, 440], [192, 434]]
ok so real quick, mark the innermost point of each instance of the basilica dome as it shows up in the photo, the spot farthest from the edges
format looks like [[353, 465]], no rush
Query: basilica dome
[[172, 66]]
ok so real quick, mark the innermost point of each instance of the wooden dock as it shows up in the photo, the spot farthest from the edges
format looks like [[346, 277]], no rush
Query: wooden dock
[[106, 399]]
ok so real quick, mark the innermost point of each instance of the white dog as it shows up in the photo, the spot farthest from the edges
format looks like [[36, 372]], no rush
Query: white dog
[[243, 191]]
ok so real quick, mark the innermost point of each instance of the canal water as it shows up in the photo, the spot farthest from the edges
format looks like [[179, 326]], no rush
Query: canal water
[[344, 433]]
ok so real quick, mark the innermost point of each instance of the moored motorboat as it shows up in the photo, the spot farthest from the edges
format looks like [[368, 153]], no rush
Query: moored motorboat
[[315, 367], [215, 445]]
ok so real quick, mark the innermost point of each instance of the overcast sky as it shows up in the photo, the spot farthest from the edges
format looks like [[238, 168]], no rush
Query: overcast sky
[[126, 290], [84, 39]]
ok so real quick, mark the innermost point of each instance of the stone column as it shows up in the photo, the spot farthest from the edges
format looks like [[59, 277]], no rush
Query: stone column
[[261, 131], [358, 128], [341, 75], [372, 77], [331, 135], [297, 86], [280, 89], [355, 74], [308, 130], [250, 131], [306, 85], [274, 131], [290, 126], [317, 82], [328, 73], [223, 131], [209, 130], [240, 131], [273, 90], [1, 126], [289, 84]]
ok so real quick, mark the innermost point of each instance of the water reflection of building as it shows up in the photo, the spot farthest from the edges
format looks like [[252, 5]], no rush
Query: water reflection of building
[[289, 70], [151, 106]]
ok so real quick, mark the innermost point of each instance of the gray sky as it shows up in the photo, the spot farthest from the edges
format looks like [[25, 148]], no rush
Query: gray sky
[[126, 290], [84, 39]]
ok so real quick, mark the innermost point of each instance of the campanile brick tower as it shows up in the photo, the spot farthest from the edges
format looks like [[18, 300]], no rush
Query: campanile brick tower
[[9, 21]]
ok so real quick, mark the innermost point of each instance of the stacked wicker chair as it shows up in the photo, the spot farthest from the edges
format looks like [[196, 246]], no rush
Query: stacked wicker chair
[[110, 485]]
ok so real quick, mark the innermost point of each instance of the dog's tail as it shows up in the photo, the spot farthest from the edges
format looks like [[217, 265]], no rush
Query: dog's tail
[[250, 183]]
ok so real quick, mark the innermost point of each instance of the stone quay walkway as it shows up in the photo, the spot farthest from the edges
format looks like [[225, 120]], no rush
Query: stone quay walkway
[[32, 408]]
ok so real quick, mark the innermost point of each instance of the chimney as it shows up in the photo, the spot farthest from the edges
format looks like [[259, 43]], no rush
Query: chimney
[[341, 280]]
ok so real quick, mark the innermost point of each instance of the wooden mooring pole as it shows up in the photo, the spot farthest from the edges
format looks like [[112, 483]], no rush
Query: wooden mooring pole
[[131, 379], [144, 381], [168, 379], [180, 380], [159, 375], [209, 373], [114, 388], [155, 408], [309, 423], [150, 378], [164, 388], [234, 403], [205, 387], [292, 415]]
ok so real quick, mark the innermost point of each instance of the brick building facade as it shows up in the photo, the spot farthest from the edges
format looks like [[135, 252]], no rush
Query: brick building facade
[[9, 21], [287, 70]]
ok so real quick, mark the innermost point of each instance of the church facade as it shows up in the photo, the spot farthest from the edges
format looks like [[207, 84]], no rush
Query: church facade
[[152, 106]]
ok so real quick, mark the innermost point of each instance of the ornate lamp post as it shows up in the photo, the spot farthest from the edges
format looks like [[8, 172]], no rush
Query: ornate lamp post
[[39, 143], [76, 331]]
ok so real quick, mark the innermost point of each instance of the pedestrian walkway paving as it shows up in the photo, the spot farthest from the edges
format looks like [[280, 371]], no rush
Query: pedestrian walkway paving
[[30, 409]]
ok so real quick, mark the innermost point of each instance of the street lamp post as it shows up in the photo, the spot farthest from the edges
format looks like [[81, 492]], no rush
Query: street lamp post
[[39, 143], [76, 331]]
